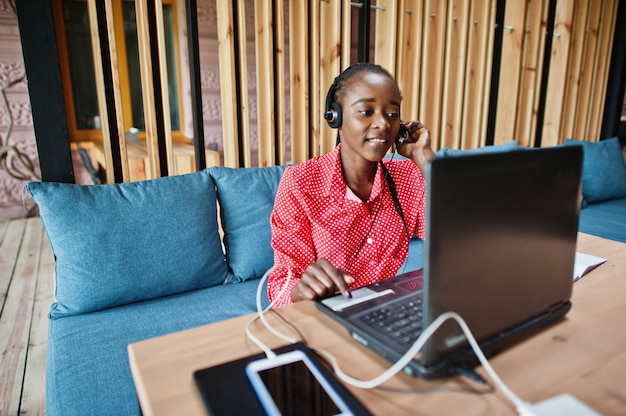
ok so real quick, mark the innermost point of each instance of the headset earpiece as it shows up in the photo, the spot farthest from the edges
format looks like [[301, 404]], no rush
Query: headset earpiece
[[333, 116], [333, 110]]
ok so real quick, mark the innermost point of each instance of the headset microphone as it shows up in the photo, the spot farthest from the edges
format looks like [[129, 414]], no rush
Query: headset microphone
[[403, 135]]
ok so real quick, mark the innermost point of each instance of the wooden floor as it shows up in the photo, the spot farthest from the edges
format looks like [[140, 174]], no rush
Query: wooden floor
[[26, 292]]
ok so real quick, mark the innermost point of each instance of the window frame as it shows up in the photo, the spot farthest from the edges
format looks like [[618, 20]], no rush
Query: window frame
[[77, 135]]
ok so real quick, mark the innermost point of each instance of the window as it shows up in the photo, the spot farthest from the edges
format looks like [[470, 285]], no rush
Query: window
[[77, 67]]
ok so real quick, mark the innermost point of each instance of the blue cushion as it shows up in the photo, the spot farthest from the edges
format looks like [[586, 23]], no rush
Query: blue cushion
[[604, 171], [504, 147], [415, 260], [246, 197], [88, 371], [122, 243], [606, 219]]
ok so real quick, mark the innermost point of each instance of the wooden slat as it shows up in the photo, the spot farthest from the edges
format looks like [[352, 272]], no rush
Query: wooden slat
[[588, 35], [408, 52], [606, 29], [531, 74], [280, 108], [457, 22], [147, 89], [117, 90], [479, 57], [315, 95], [16, 317], [329, 64], [386, 29], [572, 104], [510, 71], [558, 73], [299, 73], [243, 110], [263, 24], [33, 395], [346, 33], [228, 81], [433, 68]]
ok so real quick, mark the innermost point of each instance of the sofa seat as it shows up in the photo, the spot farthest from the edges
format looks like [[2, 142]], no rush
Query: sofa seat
[[606, 219], [88, 369]]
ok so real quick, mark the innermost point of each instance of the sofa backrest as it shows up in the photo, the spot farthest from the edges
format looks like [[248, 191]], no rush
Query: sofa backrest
[[123, 243]]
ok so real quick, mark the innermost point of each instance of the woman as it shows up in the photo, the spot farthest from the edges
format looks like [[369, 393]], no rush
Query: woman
[[344, 219]]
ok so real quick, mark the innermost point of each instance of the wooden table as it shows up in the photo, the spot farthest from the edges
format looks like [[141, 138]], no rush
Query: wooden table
[[584, 355]]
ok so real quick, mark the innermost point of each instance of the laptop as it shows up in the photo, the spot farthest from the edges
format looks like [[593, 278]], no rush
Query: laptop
[[500, 244]]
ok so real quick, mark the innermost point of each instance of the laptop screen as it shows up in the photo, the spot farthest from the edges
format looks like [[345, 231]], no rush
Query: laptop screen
[[501, 239]]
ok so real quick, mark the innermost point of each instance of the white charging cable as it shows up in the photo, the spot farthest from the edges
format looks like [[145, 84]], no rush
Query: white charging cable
[[261, 315], [520, 405]]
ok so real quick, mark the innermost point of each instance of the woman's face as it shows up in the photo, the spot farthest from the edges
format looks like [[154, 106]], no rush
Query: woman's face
[[371, 116]]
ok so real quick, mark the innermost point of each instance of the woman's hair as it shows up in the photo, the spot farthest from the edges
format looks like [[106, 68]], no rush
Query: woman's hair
[[337, 89], [333, 112]]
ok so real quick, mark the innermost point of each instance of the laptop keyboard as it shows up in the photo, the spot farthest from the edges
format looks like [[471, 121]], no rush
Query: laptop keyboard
[[401, 321]]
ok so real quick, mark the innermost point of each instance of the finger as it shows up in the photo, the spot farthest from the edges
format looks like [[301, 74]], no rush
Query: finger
[[302, 291], [340, 278], [316, 280]]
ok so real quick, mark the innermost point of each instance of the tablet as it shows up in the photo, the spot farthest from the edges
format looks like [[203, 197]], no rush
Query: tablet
[[226, 389]]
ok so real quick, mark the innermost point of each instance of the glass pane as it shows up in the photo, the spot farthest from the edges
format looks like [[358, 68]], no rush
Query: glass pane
[[80, 59], [132, 58], [170, 56], [134, 74]]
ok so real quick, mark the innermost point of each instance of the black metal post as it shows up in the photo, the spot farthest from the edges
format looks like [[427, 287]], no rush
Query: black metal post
[[45, 88], [196, 86], [363, 46]]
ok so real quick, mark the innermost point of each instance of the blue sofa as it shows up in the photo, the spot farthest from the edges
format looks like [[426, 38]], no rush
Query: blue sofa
[[138, 260], [603, 204], [603, 207]]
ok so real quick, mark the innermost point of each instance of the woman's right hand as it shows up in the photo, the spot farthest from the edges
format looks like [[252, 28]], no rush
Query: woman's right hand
[[321, 280]]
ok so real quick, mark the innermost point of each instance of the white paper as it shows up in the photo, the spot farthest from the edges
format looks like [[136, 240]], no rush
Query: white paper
[[584, 263]]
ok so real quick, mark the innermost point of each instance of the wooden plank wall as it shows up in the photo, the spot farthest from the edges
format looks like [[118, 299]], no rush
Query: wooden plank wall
[[441, 52], [577, 76]]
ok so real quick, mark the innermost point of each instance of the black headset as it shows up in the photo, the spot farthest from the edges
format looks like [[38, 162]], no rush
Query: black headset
[[333, 115]]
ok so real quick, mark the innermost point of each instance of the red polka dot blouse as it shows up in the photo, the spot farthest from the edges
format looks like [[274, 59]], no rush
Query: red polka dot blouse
[[317, 216]]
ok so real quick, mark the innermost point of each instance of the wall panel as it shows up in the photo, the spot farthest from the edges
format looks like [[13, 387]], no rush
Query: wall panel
[[277, 59]]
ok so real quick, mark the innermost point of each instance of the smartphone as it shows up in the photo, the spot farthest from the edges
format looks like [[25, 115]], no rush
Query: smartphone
[[291, 384]]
